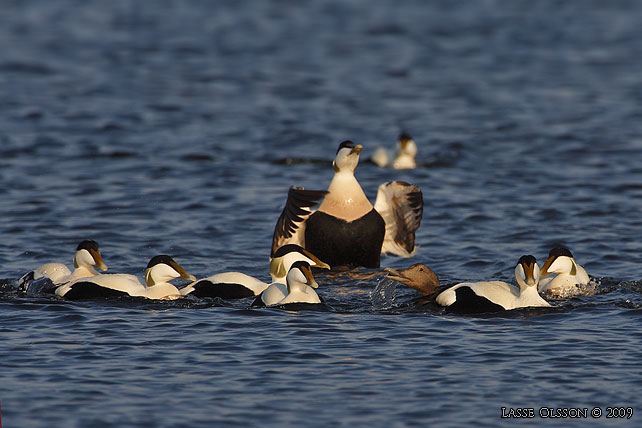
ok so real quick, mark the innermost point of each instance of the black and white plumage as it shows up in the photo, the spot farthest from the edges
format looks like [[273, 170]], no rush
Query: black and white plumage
[[159, 271], [237, 285], [571, 279], [346, 229], [299, 289], [48, 276], [494, 296]]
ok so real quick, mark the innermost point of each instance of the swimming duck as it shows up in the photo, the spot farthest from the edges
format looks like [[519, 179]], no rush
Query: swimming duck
[[237, 285], [347, 230], [570, 276], [494, 296], [86, 259], [300, 289], [418, 276], [160, 270], [404, 158]]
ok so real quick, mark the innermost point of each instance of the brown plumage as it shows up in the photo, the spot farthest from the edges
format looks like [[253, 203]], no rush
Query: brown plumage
[[418, 276]]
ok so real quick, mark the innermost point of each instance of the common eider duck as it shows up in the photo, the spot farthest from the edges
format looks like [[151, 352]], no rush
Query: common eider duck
[[495, 296], [160, 270], [346, 229], [404, 158], [299, 290], [237, 285], [418, 276], [571, 279], [48, 276]]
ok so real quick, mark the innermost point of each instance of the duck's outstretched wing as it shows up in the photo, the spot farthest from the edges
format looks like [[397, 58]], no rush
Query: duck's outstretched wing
[[401, 205], [290, 227]]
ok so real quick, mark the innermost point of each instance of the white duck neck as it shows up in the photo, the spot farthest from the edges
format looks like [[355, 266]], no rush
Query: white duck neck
[[345, 199]]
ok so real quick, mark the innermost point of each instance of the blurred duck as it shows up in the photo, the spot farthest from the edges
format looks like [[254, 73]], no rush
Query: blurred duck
[[86, 260], [495, 296], [160, 270], [347, 230], [570, 276], [237, 285], [418, 276], [299, 289], [404, 158]]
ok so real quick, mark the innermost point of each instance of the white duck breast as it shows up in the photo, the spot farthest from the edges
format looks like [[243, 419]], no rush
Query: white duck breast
[[494, 296], [347, 230], [562, 277], [237, 285], [160, 270]]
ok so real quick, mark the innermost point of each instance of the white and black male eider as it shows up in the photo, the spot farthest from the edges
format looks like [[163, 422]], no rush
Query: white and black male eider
[[237, 285], [347, 230], [160, 270], [570, 278], [299, 291], [495, 296], [404, 158], [48, 276]]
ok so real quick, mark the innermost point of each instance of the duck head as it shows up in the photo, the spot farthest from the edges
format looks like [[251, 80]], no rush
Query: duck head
[[527, 272], [163, 268], [88, 255], [560, 260], [289, 254], [347, 157], [418, 276]]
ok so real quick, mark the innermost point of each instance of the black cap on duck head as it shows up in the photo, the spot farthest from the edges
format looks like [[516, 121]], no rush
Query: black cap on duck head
[[87, 244], [560, 251], [527, 260], [300, 265], [163, 258], [404, 136], [346, 144]]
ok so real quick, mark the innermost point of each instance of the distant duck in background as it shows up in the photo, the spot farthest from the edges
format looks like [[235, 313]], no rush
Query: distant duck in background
[[571, 279], [403, 159], [347, 230], [86, 260], [418, 276], [299, 289], [495, 296], [160, 270], [237, 285]]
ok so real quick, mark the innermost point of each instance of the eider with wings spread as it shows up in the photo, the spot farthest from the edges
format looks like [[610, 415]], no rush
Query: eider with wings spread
[[347, 230]]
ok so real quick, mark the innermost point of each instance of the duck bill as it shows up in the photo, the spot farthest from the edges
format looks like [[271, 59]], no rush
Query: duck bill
[[530, 274], [395, 274], [183, 273], [357, 149], [317, 262], [308, 274], [544, 270], [100, 264]]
